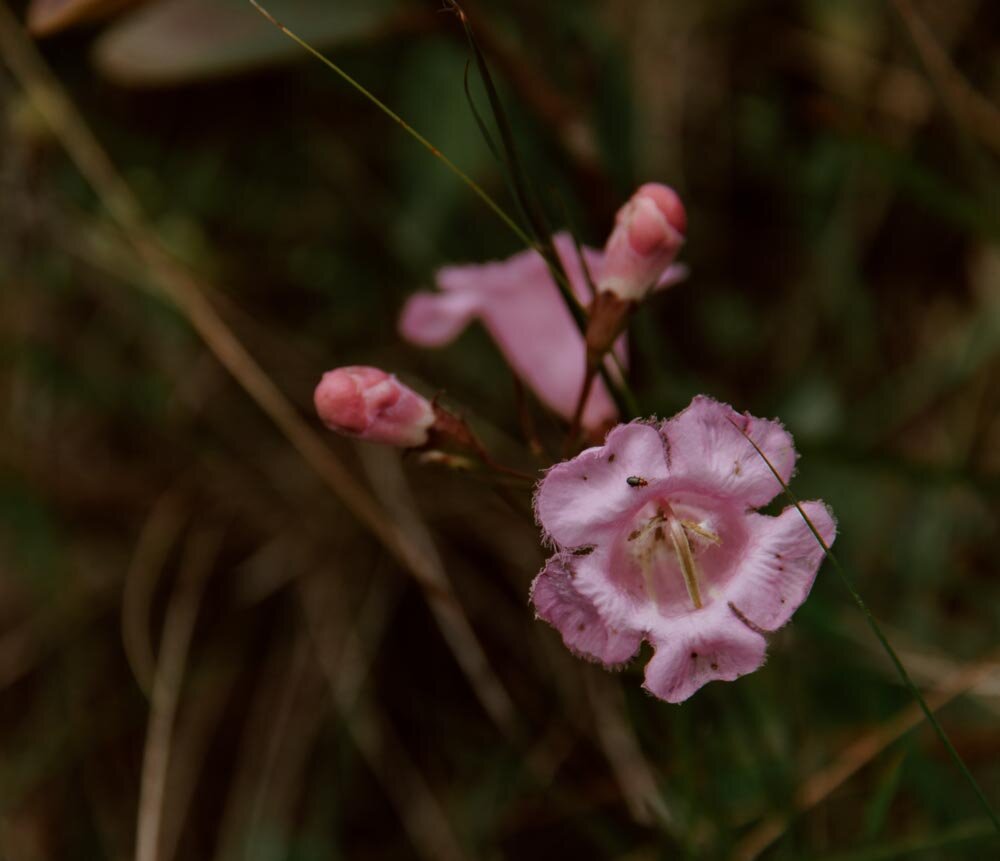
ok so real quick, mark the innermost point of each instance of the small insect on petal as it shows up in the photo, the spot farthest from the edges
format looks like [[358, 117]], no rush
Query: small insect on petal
[[636, 481]]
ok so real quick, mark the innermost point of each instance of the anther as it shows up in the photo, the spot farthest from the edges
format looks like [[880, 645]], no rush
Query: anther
[[698, 529]]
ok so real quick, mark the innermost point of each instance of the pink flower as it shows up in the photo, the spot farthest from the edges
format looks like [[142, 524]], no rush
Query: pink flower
[[521, 308], [370, 404], [657, 539], [649, 231]]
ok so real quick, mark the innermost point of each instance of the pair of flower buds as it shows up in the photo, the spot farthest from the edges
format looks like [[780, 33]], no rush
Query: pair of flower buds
[[656, 534], [520, 306]]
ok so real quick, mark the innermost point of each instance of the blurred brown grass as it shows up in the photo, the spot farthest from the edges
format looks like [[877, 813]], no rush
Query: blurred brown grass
[[844, 248]]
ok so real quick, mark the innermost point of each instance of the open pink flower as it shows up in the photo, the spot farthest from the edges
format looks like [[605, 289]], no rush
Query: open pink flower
[[649, 231], [658, 539], [367, 403], [520, 306]]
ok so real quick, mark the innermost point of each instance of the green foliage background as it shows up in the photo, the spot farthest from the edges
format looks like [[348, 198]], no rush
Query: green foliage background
[[844, 212]]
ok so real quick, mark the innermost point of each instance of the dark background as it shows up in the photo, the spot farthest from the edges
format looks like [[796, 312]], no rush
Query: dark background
[[839, 162]]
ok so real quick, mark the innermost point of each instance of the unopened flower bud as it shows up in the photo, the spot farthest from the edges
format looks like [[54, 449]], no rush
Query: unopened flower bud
[[649, 231], [367, 403]]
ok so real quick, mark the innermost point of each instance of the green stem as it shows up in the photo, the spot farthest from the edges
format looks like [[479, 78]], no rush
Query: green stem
[[545, 248], [889, 650], [412, 132]]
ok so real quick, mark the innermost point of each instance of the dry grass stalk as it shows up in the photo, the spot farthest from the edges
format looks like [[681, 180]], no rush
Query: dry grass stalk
[[197, 728], [159, 534], [184, 289], [633, 771], [200, 552], [385, 472], [971, 109], [284, 720], [859, 753], [345, 666]]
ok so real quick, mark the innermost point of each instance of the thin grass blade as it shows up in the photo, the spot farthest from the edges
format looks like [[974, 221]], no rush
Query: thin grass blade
[[524, 194], [412, 132], [883, 640]]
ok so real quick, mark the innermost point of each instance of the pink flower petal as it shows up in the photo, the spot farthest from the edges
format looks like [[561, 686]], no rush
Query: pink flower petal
[[706, 448], [711, 645], [778, 572], [558, 602], [520, 306], [578, 498], [674, 275], [436, 319], [541, 343]]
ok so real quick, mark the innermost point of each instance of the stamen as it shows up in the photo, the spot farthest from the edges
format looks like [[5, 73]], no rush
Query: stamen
[[648, 539], [652, 538], [647, 579], [682, 547], [698, 529]]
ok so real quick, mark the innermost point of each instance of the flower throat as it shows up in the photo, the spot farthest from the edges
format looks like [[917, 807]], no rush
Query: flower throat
[[666, 534]]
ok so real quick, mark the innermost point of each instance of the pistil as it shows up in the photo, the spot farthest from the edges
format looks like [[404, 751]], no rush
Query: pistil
[[685, 558]]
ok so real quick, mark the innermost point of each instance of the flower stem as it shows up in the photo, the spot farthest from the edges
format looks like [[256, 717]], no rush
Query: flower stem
[[618, 389], [581, 403]]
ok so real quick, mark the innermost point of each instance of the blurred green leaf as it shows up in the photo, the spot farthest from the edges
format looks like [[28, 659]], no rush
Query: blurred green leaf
[[877, 811], [977, 831], [30, 537], [432, 97]]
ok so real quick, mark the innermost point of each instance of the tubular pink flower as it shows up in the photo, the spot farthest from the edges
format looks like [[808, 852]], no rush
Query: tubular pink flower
[[649, 231], [657, 539], [367, 403], [521, 308]]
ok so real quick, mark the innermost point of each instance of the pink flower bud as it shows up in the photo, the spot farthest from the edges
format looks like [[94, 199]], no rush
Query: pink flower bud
[[370, 404], [649, 231]]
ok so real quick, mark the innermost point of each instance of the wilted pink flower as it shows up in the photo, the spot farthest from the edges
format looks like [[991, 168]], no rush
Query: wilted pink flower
[[649, 231], [520, 306], [370, 404], [657, 539]]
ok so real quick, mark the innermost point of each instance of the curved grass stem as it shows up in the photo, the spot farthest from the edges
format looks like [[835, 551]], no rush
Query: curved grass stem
[[543, 243], [883, 640], [467, 180]]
